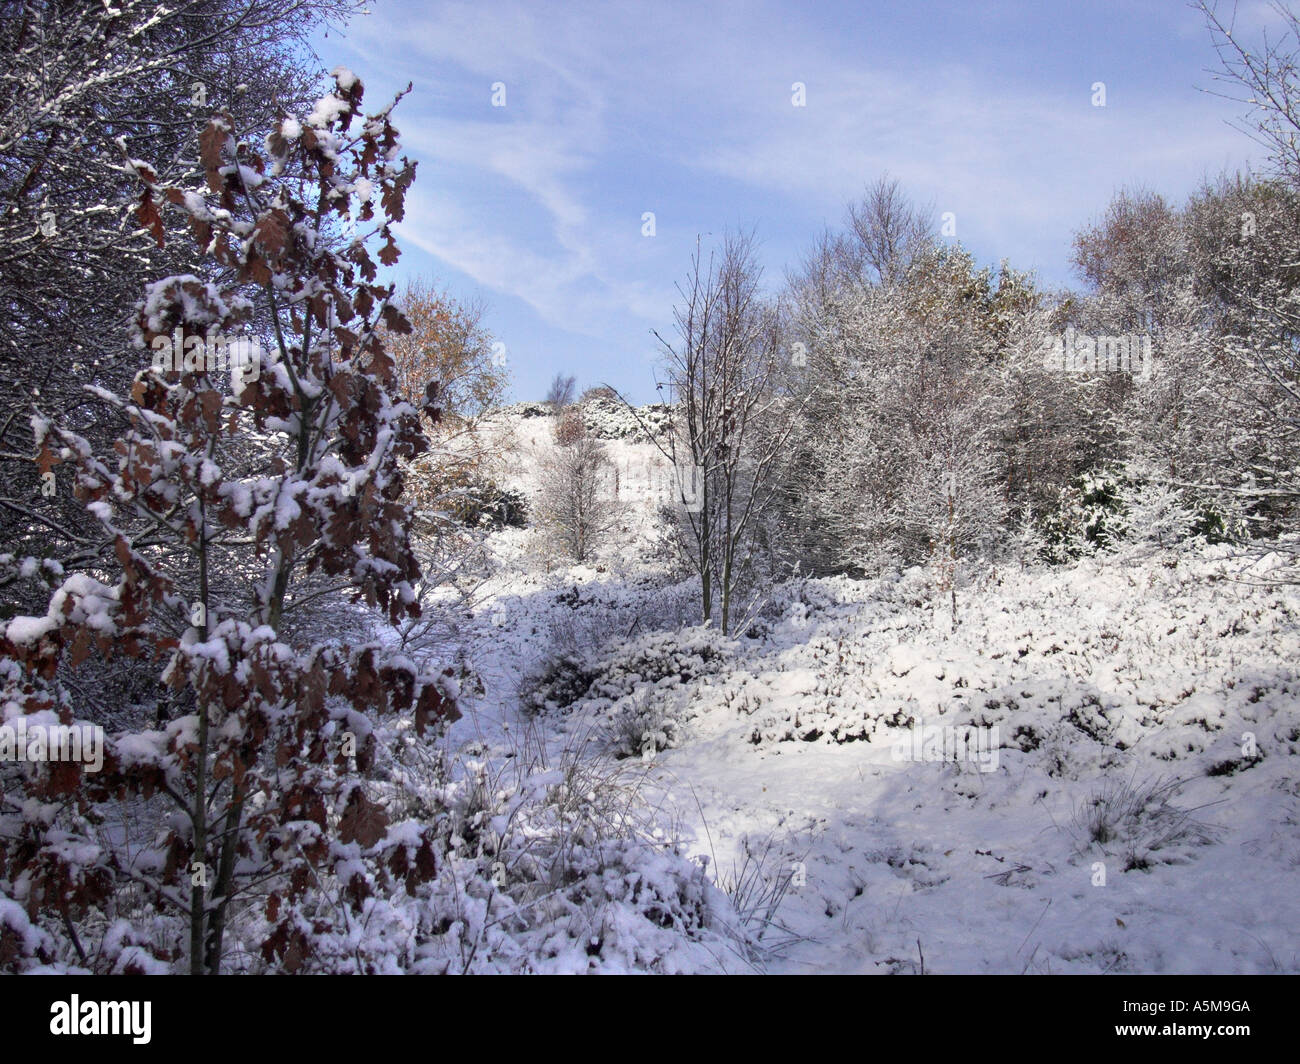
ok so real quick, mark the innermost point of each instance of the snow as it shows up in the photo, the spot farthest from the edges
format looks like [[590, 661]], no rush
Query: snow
[[327, 110], [29, 630], [1093, 771], [788, 754], [80, 600]]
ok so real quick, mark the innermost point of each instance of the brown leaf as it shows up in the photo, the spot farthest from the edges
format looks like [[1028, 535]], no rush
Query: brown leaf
[[80, 647], [271, 232], [46, 459], [363, 821], [393, 197], [211, 143], [202, 233], [395, 320], [223, 252], [148, 217], [433, 706], [341, 387], [210, 401], [257, 269]]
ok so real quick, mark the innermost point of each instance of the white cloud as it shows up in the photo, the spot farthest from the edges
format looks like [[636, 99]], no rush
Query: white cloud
[[531, 201]]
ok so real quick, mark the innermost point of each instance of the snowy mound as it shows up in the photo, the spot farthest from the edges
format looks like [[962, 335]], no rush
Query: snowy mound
[[609, 419], [605, 417]]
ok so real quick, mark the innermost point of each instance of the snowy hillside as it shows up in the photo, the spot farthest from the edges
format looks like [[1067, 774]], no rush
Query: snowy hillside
[[1098, 757]]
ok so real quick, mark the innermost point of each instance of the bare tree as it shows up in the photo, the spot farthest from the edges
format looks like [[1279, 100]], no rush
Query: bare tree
[[575, 504], [1135, 259], [561, 392], [949, 496], [1263, 79], [731, 417], [886, 231], [1259, 262]]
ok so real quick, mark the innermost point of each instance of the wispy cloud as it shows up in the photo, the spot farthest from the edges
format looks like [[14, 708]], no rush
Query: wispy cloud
[[686, 110]]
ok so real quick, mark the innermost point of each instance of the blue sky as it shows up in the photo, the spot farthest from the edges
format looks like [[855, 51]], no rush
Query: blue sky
[[613, 109]]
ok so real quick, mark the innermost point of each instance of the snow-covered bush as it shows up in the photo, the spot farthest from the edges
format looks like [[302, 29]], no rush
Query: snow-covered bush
[[1136, 507], [553, 867], [657, 660], [556, 684], [485, 504], [607, 417], [1089, 515], [523, 410], [1216, 524], [643, 724]]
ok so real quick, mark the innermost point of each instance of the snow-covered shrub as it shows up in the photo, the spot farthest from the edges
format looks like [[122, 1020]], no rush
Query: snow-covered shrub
[[555, 867], [23, 945], [656, 660], [523, 410], [484, 503], [1089, 515], [606, 417], [1158, 515], [1162, 514], [1215, 524], [643, 724], [611, 905], [557, 684], [660, 659], [1137, 507]]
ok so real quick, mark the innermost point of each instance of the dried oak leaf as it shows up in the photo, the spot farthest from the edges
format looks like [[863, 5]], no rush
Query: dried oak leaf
[[211, 143], [148, 217], [363, 821]]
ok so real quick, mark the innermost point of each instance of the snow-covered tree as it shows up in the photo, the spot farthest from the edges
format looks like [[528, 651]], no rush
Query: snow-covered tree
[[949, 497], [575, 504], [895, 449], [246, 806], [82, 85], [725, 372]]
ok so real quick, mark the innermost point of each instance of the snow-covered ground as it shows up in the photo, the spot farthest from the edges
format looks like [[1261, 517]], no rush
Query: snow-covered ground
[[1095, 772]]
